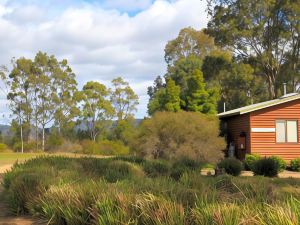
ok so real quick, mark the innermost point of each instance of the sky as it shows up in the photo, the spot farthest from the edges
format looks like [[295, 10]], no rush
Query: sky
[[101, 39]]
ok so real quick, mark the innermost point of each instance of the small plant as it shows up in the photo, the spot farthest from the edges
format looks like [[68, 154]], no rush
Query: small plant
[[295, 164], [250, 159], [266, 167], [231, 166], [183, 165], [280, 162], [156, 168]]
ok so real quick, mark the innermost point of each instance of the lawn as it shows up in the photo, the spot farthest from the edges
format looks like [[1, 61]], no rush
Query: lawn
[[12, 157], [124, 190]]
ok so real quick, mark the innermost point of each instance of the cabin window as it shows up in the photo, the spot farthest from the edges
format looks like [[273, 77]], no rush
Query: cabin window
[[286, 131]]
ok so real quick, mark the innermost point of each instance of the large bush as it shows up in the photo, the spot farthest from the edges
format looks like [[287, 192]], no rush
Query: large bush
[[231, 166], [250, 159], [183, 134], [266, 167], [295, 164], [281, 163]]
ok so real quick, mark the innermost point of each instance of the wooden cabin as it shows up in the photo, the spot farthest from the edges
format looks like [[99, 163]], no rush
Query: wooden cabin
[[266, 128]]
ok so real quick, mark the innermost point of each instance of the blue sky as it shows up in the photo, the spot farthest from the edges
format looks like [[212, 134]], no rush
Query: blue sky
[[100, 39]]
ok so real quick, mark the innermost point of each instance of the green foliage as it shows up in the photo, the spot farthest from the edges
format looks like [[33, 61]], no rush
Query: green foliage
[[295, 164], [4, 148], [174, 135], [97, 109], [250, 159], [156, 168], [281, 163], [29, 146], [188, 42], [110, 191], [242, 25], [54, 141], [231, 166], [104, 147], [123, 99], [266, 167], [182, 166]]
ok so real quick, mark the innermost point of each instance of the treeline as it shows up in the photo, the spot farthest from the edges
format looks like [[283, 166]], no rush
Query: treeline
[[43, 93], [246, 53]]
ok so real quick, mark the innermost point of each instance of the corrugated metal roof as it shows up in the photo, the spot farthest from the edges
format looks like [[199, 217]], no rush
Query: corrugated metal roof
[[261, 105]]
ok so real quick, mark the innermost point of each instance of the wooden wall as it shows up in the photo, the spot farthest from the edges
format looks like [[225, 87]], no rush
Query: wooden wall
[[236, 125], [265, 143]]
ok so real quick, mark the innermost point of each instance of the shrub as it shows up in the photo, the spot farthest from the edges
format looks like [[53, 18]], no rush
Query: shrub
[[170, 135], [104, 147], [295, 164], [280, 162], [54, 141], [156, 168], [107, 147], [183, 165], [4, 148], [250, 159], [231, 166], [266, 167], [27, 146]]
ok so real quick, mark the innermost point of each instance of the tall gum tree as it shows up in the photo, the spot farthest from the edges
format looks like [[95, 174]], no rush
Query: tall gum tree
[[267, 31]]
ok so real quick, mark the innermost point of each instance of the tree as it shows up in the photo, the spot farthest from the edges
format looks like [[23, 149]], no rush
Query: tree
[[65, 96], [194, 93], [240, 87], [266, 31], [46, 67], [189, 42], [165, 98], [198, 97], [97, 109], [172, 98], [123, 99]]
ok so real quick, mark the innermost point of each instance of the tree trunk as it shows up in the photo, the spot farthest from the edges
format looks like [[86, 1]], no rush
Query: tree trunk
[[22, 141], [43, 139]]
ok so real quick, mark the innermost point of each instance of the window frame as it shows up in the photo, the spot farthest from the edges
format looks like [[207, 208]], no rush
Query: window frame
[[286, 131]]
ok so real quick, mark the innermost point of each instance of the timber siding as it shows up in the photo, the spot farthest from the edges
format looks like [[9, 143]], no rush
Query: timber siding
[[236, 125], [265, 143]]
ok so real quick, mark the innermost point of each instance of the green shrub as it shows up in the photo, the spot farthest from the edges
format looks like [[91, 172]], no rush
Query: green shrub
[[54, 141], [168, 135], [250, 159], [104, 147], [27, 146], [231, 166], [266, 167], [156, 168], [107, 147], [295, 164], [280, 162]]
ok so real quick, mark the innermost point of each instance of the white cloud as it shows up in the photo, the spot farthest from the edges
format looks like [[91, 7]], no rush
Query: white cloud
[[100, 42]]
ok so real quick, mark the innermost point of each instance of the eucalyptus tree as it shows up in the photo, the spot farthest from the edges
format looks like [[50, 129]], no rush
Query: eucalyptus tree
[[267, 32], [65, 95], [123, 99], [97, 110]]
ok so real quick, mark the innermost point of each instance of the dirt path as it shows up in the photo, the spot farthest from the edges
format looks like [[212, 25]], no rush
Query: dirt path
[[6, 218]]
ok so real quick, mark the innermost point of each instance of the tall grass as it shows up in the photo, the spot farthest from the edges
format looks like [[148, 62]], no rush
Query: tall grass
[[118, 191]]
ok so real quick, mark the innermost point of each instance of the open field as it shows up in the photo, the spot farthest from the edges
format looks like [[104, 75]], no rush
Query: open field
[[134, 191], [7, 159]]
